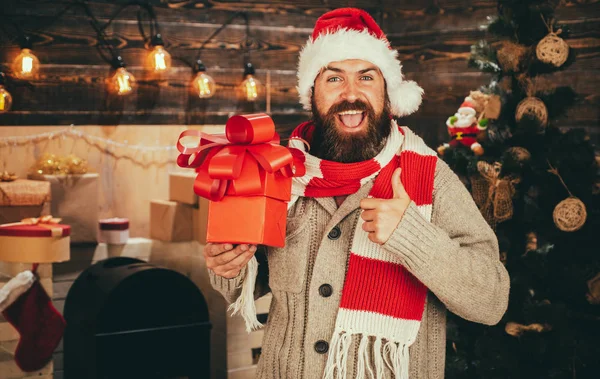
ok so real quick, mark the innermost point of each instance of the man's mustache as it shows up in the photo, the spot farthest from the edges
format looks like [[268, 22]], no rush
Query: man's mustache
[[345, 105]]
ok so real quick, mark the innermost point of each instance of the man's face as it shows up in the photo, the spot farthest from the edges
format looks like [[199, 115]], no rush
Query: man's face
[[351, 111]]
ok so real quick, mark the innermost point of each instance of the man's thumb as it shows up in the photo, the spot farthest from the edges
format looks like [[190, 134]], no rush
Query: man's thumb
[[397, 185]]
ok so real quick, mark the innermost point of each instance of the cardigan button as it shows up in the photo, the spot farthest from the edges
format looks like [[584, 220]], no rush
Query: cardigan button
[[334, 233], [325, 290], [321, 347]]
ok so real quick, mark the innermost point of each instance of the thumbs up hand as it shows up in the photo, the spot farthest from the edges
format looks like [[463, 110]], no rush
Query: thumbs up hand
[[382, 216]]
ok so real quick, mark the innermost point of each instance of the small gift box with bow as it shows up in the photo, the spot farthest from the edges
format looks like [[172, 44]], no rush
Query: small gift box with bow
[[35, 240], [246, 174]]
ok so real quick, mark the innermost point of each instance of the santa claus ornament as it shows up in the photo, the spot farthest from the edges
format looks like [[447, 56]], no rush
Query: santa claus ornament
[[464, 128]]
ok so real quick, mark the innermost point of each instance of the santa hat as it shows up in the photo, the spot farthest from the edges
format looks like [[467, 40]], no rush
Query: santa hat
[[350, 33], [467, 106]]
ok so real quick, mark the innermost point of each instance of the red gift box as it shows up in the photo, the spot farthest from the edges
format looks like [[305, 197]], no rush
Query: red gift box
[[246, 175], [35, 240]]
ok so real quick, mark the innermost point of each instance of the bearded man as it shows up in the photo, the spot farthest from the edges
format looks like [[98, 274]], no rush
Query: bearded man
[[382, 237]]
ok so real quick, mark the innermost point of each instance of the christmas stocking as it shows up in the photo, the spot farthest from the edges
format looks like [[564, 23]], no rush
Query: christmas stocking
[[26, 305]]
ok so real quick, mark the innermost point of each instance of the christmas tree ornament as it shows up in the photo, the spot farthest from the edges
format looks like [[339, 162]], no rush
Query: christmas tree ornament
[[519, 154], [552, 49], [492, 193], [531, 243], [570, 214], [517, 330], [515, 161], [534, 108], [593, 295], [28, 308], [512, 56], [464, 128]]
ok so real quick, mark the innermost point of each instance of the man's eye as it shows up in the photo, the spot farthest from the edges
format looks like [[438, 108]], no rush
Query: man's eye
[[334, 79], [366, 77]]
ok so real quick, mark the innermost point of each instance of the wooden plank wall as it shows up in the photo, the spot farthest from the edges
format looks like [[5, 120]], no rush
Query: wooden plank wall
[[433, 38]]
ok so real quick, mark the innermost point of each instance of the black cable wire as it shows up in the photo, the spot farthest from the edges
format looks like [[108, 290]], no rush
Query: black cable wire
[[102, 38], [154, 28], [220, 29]]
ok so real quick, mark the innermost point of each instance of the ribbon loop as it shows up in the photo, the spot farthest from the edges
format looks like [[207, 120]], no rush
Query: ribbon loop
[[250, 143], [250, 129]]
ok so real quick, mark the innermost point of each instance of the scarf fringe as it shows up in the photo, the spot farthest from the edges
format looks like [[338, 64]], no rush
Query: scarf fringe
[[244, 305], [393, 354]]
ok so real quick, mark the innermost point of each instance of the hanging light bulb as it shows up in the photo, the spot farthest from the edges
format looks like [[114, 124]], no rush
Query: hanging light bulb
[[203, 85], [159, 60], [26, 65], [5, 97], [122, 82], [250, 86]]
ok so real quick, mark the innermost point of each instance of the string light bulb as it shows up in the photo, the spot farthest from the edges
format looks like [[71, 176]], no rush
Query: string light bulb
[[122, 82], [5, 96], [203, 85], [26, 65], [159, 59], [250, 86]]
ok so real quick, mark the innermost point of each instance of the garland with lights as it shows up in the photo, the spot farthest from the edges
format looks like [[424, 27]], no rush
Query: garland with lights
[[121, 82]]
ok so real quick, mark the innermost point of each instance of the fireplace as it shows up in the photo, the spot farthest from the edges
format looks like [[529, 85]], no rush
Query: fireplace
[[130, 319]]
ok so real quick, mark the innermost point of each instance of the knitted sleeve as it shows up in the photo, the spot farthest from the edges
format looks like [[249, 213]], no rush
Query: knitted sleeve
[[231, 288], [456, 255]]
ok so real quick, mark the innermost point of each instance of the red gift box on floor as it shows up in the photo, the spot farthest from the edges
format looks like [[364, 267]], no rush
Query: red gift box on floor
[[247, 176]]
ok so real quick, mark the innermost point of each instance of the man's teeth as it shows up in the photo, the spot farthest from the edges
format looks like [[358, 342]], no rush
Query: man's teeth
[[349, 112]]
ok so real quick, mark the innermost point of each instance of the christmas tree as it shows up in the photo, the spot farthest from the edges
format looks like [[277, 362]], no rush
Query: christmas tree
[[538, 187]]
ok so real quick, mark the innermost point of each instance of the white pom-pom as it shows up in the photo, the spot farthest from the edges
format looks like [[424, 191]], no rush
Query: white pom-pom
[[405, 98]]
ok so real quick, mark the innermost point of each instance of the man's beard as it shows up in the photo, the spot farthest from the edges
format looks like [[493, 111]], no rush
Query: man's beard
[[330, 144]]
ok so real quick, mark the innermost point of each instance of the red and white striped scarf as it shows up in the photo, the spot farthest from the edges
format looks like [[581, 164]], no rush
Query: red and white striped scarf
[[380, 298]]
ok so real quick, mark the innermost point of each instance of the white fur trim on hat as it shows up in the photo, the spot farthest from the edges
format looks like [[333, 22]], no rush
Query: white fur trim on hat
[[405, 95]]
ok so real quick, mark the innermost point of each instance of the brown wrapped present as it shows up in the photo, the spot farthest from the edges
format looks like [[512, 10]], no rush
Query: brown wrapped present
[[76, 202], [181, 187], [22, 198], [171, 221]]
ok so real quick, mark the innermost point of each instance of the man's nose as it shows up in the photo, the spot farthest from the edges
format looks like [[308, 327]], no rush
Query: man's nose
[[350, 92]]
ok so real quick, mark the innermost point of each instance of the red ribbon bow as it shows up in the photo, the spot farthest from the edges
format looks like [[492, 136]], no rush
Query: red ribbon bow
[[218, 158]]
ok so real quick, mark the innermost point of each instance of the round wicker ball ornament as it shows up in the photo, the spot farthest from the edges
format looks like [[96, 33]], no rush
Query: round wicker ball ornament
[[533, 107], [552, 50], [570, 214], [511, 56], [520, 154]]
